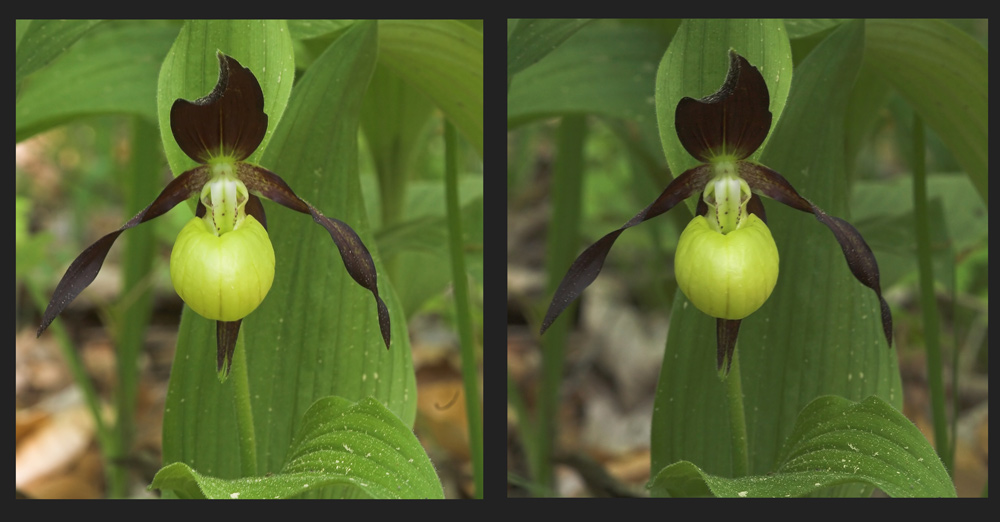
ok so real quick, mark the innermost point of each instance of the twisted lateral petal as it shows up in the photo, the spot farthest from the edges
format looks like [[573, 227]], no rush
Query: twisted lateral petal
[[588, 265], [357, 260], [230, 121], [85, 267], [732, 121], [858, 254]]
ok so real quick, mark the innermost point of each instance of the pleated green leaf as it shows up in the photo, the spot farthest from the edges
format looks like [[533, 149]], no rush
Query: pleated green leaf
[[38, 42], [529, 40], [443, 59], [820, 332], [835, 442], [113, 69], [316, 334], [604, 68], [943, 73], [361, 445]]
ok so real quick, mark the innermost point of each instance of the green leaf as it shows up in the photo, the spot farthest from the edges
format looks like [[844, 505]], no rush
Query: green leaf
[[191, 70], [800, 28], [393, 117], [819, 333], [316, 334], [835, 441], [696, 63], [112, 70], [944, 74], [443, 59], [529, 40], [604, 68], [361, 445], [423, 266], [324, 322], [39, 42]]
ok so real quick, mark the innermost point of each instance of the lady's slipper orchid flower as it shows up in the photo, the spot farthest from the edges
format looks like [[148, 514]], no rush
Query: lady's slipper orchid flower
[[222, 264], [726, 261]]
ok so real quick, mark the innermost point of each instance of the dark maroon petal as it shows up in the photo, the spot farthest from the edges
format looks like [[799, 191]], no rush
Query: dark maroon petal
[[256, 209], [858, 254], [226, 333], [588, 265], [230, 121], [756, 206], [357, 260], [732, 121], [85, 267], [726, 332]]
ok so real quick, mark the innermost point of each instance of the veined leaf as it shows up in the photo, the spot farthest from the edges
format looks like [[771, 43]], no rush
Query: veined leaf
[[316, 334], [604, 68], [38, 42], [943, 73], [443, 59], [111, 70], [819, 333], [529, 40], [835, 441], [361, 445]]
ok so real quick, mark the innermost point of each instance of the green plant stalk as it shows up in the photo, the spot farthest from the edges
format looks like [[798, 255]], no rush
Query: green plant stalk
[[463, 315], [529, 439], [136, 305], [244, 410], [737, 418], [562, 244], [928, 303], [516, 401]]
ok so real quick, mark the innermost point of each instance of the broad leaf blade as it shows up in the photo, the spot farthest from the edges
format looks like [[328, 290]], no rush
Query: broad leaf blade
[[944, 74], [443, 59], [41, 41], [317, 333], [819, 333], [360, 445], [834, 442], [111, 70], [604, 68], [531, 39]]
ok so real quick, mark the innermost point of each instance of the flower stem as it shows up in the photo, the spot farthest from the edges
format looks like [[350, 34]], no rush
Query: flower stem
[[459, 277], [928, 302], [244, 411], [561, 246], [737, 418]]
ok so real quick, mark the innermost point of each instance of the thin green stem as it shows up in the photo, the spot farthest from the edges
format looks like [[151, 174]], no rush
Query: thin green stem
[[244, 410], [737, 419], [562, 246], [460, 283], [928, 303], [135, 306]]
